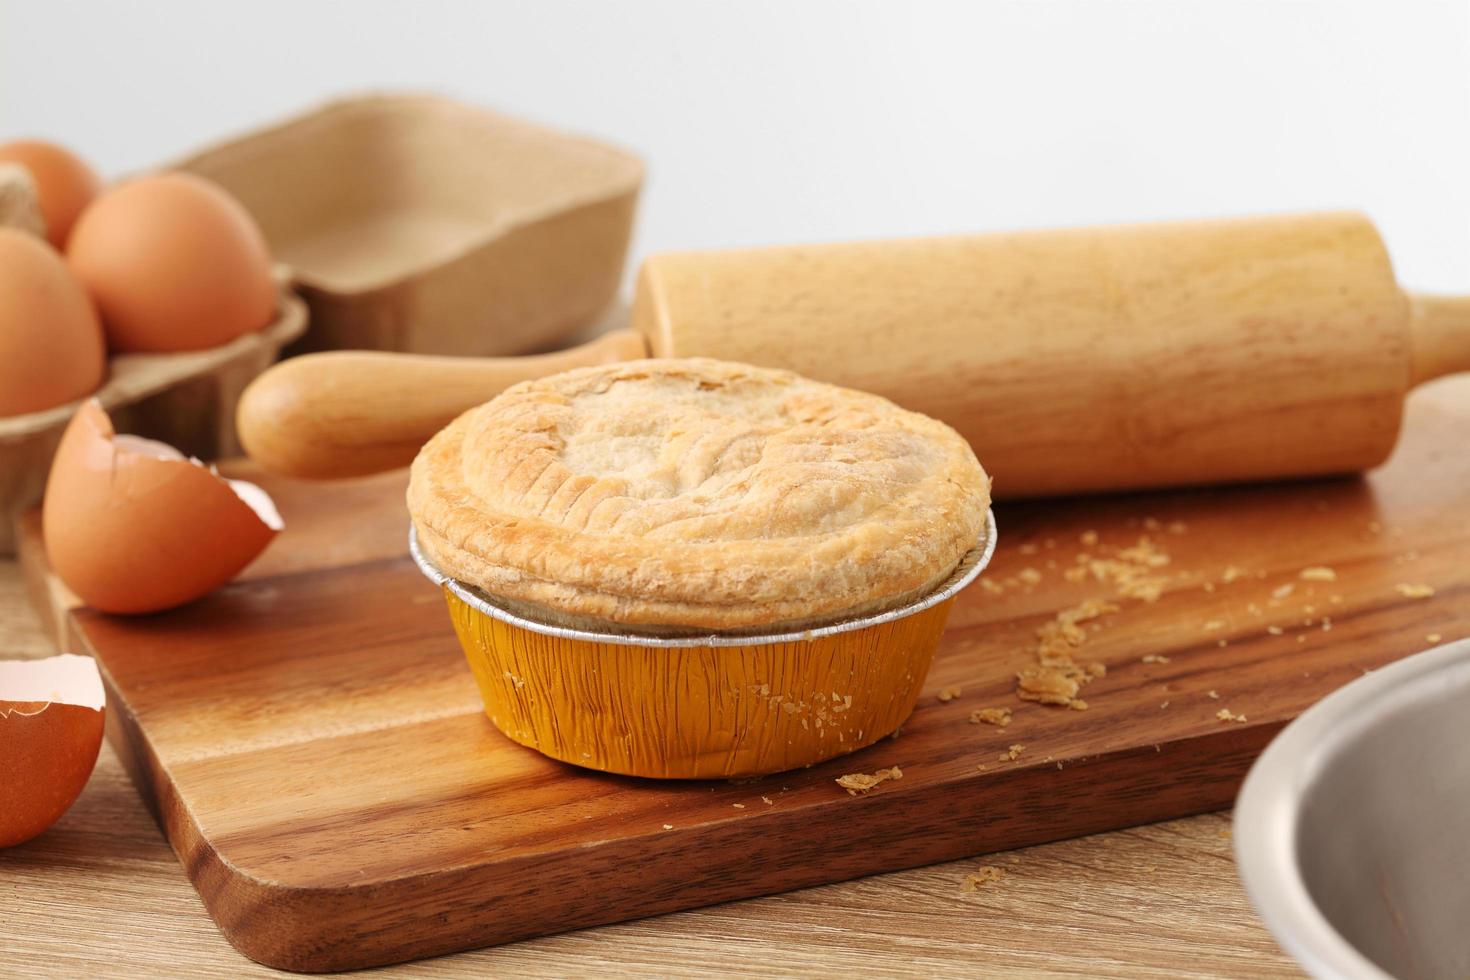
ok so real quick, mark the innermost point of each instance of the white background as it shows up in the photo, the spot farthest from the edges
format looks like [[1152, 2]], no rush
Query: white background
[[798, 121]]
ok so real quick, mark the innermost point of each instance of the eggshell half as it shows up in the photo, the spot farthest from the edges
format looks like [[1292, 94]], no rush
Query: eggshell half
[[131, 526], [65, 184], [51, 714], [174, 263]]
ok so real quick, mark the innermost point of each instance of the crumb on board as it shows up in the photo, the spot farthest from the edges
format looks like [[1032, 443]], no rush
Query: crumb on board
[[1012, 753], [1088, 538], [1410, 591], [1225, 714], [1155, 658], [1057, 677], [985, 875], [1164, 705], [768, 801], [738, 806], [861, 782], [1000, 717], [1078, 704], [949, 692], [1275, 630], [668, 826], [1231, 573], [1028, 548], [1282, 591], [1222, 643], [1178, 527], [1317, 573], [1214, 695], [1029, 576], [1214, 625], [1432, 638]]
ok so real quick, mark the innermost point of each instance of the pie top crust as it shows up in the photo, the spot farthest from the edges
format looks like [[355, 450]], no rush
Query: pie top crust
[[690, 496]]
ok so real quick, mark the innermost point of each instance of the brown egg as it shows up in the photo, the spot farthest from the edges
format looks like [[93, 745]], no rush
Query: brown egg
[[50, 733], [132, 526], [174, 263], [64, 183], [51, 348]]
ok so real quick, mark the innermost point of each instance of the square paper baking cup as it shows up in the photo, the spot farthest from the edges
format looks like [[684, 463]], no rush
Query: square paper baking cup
[[701, 707]]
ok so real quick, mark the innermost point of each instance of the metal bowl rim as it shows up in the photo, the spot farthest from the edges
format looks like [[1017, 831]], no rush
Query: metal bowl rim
[[1268, 812], [971, 565]]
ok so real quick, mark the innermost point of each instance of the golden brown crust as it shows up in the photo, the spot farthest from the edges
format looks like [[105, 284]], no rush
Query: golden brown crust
[[696, 495]]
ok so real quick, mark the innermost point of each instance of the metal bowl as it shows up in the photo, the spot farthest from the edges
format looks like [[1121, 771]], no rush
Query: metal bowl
[[1352, 831]]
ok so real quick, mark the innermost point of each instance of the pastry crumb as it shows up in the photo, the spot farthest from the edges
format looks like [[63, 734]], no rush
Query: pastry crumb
[[1318, 573], [1225, 714], [1275, 630], [986, 875], [1214, 695], [738, 806], [1057, 677], [1088, 538], [768, 801], [668, 826], [1231, 573], [1155, 658], [1164, 705], [1432, 638], [1000, 717], [861, 782], [1409, 591], [1282, 591], [1214, 625], [1029, 575], [949, 692], [1078, 704], [1013, 753]]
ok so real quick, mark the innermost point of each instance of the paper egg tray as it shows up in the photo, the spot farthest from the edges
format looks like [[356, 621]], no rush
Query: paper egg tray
[[707, 706], [418, 223]]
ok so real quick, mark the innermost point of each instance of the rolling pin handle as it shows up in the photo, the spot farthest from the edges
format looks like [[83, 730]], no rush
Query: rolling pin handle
[[1439, 336], [352, 413]]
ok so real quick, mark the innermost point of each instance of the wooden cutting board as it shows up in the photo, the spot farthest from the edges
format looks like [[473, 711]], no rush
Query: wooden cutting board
[[311, 741]]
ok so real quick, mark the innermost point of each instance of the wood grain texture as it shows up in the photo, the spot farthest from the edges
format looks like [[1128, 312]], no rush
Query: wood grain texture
[[1072, 360], [102, 894], [316, 754]]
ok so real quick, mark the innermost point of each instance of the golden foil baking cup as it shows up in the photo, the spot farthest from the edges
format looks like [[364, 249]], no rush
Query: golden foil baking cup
[[699, 707]]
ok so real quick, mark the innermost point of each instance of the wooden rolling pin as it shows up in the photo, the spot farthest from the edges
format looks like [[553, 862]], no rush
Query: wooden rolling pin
[[1078, 360]]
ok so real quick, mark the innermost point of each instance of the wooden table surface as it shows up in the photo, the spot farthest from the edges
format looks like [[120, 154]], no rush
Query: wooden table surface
[[101, 894]]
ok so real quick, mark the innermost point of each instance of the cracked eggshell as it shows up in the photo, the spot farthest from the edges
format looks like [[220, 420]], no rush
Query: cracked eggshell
[[51, 714], [131, 526]]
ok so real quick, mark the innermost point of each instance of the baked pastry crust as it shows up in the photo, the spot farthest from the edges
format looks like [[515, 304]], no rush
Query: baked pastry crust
[[694, 495]]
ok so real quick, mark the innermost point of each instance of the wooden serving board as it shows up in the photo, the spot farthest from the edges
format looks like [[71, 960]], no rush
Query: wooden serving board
[[312, 744]]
